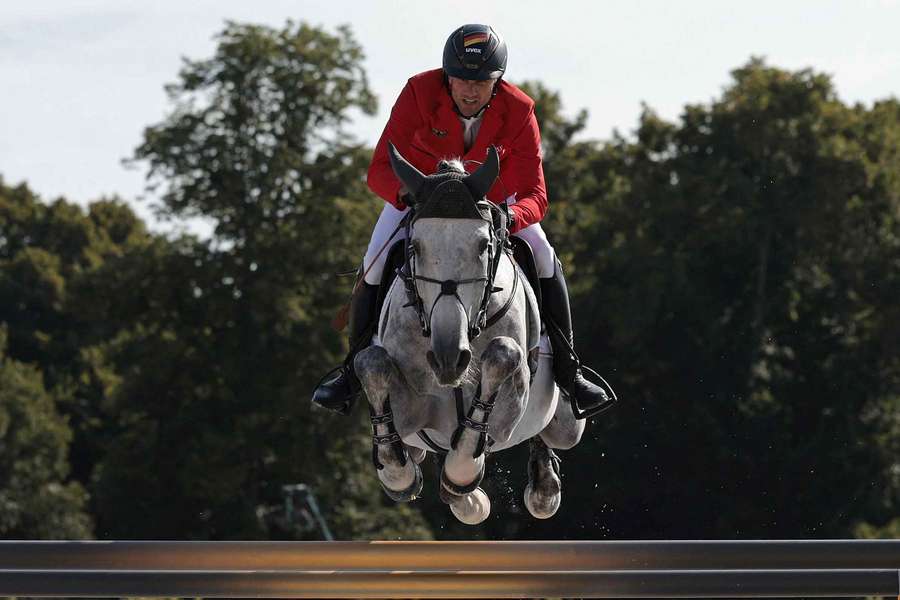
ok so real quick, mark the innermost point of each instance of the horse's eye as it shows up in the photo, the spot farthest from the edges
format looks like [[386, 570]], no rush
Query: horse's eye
[[482, 246], [414, 246]]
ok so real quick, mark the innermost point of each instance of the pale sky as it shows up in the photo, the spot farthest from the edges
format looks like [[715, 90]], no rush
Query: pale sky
[[80, 79]]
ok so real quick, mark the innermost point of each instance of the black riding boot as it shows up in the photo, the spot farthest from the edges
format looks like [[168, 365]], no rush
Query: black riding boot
[[340, 388], [566, 366]]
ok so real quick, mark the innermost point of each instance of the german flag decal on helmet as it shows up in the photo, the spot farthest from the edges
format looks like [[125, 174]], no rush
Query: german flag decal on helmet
[[477, 37]]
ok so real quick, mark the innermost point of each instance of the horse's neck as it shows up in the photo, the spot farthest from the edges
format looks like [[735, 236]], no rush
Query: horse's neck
[[513, 281], [529, 302], [505, 277]]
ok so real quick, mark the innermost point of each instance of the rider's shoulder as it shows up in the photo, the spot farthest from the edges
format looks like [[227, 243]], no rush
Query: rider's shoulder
[[432, 80], [514, 97]]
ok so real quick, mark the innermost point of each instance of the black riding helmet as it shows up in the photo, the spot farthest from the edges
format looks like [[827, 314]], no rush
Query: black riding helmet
[[475, 52]]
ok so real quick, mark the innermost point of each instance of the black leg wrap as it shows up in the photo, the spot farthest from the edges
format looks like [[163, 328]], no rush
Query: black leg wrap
[[410, 493], [467, 422], [461, 490], [391, 438], [445, 496]]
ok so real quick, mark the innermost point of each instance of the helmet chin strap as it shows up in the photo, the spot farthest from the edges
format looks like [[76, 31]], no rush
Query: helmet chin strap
[[476, 115], [480, 110]]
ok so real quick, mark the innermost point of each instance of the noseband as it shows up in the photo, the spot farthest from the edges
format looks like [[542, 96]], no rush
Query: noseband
[[450, 287]]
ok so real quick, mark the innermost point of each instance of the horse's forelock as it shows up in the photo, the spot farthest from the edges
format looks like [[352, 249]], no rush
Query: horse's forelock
[[431, 182], [451, 165]]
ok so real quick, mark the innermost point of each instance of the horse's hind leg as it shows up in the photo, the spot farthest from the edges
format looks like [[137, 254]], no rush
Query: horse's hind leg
[[563, 431], [543, 494], [400, 476], [502, 379]]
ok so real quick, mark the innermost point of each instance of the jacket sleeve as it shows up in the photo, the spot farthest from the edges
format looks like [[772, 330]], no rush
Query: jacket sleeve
[[401, 126], [527, 174]]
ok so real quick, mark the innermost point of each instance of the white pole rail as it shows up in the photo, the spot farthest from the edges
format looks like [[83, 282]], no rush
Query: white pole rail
[[584, 569]]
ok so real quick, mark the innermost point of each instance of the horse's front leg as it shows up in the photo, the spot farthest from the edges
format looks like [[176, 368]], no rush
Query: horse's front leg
[[399, 474], [504, 379]]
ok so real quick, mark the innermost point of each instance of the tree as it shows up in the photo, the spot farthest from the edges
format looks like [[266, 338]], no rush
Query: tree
[[49, 257], [36, 499], [742, 267], [217, 371], [732, 275]]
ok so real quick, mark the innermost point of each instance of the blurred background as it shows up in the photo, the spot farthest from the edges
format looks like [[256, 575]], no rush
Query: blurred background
[[180, 184]]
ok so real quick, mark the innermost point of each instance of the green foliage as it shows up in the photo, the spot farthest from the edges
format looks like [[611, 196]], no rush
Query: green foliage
[[744, 262], [258, 125], [734, 274], [229, 337], [891, 531], [36, 501], [49, 257]]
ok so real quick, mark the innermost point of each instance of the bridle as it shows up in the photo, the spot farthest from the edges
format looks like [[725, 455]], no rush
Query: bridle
[[497, 245], [454, 195]]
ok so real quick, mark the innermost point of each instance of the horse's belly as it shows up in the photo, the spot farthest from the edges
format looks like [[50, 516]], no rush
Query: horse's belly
[[438, 438]]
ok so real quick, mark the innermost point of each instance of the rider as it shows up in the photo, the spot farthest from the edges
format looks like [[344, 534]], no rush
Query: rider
[[458, 111]]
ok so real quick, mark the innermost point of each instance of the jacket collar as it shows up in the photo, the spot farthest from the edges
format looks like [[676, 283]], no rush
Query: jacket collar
[[447, 120], [491, 123]]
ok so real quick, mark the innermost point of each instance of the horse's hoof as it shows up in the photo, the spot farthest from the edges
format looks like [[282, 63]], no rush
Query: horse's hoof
[[410, 493], [473, 508], [542, 506]]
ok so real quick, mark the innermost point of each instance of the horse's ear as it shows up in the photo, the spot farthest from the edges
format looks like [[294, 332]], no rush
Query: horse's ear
[[408, 175], [481, 180]]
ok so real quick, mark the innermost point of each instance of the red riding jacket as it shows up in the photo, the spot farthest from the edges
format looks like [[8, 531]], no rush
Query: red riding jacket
[[425, 128]]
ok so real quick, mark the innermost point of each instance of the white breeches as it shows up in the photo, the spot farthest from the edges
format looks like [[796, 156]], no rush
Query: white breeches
[[380, 245]]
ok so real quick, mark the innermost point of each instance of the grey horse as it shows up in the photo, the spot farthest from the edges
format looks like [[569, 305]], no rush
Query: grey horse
[[457, 364]]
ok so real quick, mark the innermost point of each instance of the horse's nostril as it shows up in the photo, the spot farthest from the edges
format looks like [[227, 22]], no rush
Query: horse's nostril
[[464, 357], [432, 361]]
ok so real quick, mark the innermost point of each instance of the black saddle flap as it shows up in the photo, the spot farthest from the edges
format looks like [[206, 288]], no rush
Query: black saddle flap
[[395, 259], [524, 257]]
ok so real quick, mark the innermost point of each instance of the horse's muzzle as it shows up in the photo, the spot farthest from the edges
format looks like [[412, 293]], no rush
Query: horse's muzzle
[[449, 367]]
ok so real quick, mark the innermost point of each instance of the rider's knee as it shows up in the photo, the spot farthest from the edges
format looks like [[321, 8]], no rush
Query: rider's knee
[[544, 255]]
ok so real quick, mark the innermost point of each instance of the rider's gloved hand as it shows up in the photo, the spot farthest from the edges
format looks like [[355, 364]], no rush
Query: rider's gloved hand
[[510, 220], [404, 197]]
